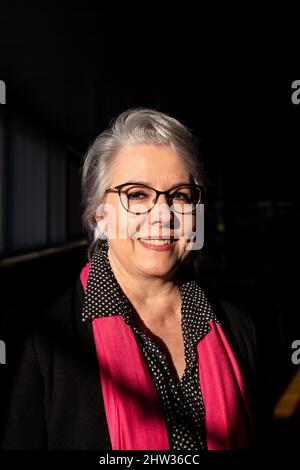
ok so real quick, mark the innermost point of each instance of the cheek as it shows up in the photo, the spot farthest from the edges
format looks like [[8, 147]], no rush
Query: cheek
[[186, 225], [122, 224], [182, 251], [131, 226]]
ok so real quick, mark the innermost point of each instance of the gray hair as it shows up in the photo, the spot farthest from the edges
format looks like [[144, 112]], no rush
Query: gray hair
[[132, 127]]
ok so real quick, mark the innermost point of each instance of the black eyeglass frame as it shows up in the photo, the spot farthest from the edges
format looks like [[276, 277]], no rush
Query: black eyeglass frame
[[118, 189]]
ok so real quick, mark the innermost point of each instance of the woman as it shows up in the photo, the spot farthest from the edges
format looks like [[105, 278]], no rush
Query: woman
[[137, 357]]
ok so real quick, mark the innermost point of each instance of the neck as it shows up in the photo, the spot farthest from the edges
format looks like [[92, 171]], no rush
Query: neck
[[151, 296]]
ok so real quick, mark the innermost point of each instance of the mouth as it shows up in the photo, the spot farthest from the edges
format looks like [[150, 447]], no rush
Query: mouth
[[159, 243]]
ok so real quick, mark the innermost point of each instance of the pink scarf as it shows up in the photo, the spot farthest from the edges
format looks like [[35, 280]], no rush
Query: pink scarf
[[134, 416]]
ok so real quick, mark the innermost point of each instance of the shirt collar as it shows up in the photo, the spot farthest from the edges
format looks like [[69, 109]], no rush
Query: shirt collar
[[103, 296]]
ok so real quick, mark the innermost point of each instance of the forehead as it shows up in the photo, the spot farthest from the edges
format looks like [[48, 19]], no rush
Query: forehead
[[152, 164]]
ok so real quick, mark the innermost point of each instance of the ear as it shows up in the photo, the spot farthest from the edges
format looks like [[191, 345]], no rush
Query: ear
[[101, 225], [98, 218]]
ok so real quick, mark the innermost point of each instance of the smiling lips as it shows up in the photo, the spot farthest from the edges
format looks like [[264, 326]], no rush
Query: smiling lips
[[158, 244]]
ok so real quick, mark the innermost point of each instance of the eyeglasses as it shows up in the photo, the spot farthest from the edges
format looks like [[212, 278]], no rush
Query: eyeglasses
[[138, 198]]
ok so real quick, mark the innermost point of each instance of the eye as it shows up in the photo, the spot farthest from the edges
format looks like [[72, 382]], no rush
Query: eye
[[180, 196], [137, 195]]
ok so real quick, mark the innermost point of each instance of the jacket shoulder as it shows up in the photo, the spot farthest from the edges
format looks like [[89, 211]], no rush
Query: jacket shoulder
[[238, 325]]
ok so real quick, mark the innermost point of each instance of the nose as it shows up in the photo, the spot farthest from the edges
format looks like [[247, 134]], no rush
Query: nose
[[163, 200], [161, 211]]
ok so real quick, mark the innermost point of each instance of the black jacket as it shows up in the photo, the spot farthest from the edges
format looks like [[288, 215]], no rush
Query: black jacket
[[56, 400]]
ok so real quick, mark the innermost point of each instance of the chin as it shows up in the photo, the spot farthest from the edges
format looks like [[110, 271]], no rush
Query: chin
[[154, 268]]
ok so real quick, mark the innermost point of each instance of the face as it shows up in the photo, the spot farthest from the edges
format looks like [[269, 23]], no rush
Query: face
[[160, 168]]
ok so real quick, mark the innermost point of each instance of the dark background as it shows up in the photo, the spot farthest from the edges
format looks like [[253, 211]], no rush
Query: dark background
[[68, 71]]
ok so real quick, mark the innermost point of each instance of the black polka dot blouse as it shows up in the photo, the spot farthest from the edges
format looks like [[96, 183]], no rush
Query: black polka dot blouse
[[181, 400]]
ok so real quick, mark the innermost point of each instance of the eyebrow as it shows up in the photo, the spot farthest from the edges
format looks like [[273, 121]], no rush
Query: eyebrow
[[148, 184]]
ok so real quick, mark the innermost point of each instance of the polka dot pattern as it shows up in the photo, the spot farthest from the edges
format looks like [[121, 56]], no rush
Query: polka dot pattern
[[181, 400]]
